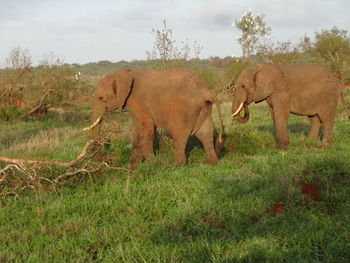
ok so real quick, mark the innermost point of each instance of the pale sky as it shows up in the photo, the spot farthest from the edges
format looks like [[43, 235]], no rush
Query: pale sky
[[81, 31]]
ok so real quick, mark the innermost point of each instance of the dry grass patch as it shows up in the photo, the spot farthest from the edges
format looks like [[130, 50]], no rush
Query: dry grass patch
[[46, 140]]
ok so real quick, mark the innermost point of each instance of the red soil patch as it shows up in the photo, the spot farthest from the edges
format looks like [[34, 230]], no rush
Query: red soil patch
[[19, 104], [276, 209], [310, 190]]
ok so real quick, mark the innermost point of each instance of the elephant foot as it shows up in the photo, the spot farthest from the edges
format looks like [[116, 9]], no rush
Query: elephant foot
[[213, 161], [132, 165], [179, 160], [136, 159], [326, 143], [282, 146], [313, 137]]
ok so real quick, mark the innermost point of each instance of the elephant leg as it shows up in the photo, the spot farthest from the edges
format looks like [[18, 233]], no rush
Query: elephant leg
[[281, 119], [315, 127], [272, 116], [206, 134], [327, 132], [271, 110], [327, 122], [147, 147], [180, 138], [142, 140]]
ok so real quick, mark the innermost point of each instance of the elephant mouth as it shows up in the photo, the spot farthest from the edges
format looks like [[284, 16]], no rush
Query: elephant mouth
[[246, 116]]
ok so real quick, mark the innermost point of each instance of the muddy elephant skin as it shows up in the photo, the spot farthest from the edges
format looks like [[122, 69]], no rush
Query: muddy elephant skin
[[176, 100], [308, 90]]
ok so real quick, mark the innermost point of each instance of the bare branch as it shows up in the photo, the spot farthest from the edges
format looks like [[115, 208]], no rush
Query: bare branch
[[49, 162], [72, 173], [41, 106], [23, 174]]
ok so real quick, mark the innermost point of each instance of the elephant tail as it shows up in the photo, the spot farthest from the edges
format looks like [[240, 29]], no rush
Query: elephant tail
[[219, 139]]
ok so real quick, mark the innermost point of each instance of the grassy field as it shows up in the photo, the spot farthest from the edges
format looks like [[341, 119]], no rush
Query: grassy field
[[253, 206]]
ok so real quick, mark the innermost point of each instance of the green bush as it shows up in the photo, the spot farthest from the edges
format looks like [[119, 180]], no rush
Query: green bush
[[234, 69], [209, 76], [9, 113]]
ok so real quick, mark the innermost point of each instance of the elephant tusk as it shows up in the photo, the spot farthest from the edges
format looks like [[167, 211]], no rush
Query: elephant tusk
[[93, 125], [238, 110]]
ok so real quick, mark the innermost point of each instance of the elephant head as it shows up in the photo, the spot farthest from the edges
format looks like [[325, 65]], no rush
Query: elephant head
[[111, 94], [252, 85]]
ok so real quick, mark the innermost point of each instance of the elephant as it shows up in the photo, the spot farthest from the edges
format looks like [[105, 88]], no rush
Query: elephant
[[307, 90], [176, 100]]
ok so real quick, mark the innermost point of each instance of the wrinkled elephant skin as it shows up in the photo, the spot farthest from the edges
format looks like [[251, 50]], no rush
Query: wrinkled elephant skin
[[176, 100], [308, 90]]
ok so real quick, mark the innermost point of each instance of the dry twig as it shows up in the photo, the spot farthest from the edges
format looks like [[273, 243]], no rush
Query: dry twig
[[21, 174]]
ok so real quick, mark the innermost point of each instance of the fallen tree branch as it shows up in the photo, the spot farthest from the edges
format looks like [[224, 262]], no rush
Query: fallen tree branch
[[49, 162], [14, 191], [5, 171], [41, 107], [21, 174]]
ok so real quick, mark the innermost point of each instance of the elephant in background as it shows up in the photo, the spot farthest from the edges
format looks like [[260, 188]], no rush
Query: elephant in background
[[176, 100], [307, 90]]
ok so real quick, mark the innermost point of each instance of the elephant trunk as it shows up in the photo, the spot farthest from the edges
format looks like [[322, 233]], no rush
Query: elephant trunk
[[246, 116], [238, 103], [96, 118]]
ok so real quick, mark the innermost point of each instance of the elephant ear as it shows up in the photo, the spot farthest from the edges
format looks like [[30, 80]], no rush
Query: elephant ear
[[122, 87], [263, 85]]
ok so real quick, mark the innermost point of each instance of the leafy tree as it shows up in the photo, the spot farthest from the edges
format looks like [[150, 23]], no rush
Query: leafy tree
[[280, 52], [253, 28], [332, 48]]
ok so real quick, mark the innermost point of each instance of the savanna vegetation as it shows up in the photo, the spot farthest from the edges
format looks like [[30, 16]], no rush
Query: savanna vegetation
[[259, 204]]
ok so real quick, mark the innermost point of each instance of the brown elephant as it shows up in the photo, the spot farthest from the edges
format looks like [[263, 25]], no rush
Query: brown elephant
[[307, 90], [176, 100]]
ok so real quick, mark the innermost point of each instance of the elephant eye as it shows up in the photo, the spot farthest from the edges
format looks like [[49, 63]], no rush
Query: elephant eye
[[100, 98], [243, 86]]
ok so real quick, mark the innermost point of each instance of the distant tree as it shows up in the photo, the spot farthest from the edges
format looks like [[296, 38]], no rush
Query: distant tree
[[50, 60], [19, 59], [164, 48], [220, 63], [305, 44], [13, 79], [253, 28], [332, 48], [197, 50], [280, 52], [167, 52]]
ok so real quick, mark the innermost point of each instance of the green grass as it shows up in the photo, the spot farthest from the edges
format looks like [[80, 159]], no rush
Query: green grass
[[191, 213]]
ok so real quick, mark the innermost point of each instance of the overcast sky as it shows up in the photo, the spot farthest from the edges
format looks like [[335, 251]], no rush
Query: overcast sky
[[81, 31]]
